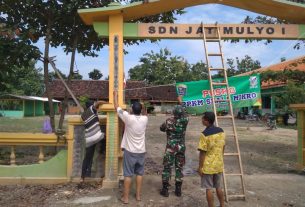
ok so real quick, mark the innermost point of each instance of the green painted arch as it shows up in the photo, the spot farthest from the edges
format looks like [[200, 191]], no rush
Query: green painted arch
[[282, 9]]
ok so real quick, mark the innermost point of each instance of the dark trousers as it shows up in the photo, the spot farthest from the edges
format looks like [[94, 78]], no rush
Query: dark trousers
[[87, 162]]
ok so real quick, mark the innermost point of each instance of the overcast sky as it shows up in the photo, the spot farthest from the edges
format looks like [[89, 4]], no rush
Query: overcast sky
[[191, 50]]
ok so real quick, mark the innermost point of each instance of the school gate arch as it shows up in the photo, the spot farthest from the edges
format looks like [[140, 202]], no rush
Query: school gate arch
[[110, 22]]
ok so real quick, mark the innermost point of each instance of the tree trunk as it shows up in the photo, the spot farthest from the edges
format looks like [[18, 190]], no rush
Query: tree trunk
[[46, 74], [65, 102]]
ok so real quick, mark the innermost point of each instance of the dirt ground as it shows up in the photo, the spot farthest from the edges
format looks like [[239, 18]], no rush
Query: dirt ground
[[268, 160]]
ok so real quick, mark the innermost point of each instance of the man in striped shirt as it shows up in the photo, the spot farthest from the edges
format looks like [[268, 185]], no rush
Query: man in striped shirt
[[93, 135]]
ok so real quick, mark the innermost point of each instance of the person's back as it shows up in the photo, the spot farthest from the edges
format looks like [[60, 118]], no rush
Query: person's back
[[214, 142], [175, 128], [93, 135], [133, 145], [134, 134], [211, 146]]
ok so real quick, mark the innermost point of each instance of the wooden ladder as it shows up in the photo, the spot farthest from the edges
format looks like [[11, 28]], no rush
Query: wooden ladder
[[224, 83]]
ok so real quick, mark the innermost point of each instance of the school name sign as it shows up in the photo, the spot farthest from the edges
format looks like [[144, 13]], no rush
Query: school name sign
[[244, 91], [195, 31], [241, 31]]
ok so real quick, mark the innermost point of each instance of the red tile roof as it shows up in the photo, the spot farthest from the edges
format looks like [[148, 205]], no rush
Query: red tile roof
[[96, 89], [162, 93], [99, 89], [293, 64]]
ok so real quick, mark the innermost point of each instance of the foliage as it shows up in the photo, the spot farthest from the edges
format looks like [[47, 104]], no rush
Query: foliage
[[167, 17], [77, 76], [53, 75], [87, 41], [83, 100], [164, 68], [60, 25], [14, 53], [95, 74], [199, 71], [239, 66], [14, 105], [247, 64], [294, 94], [24, 81], [231, 68], [267, 20], [296, 76], [294, 90], [67, 27], [149, 107]]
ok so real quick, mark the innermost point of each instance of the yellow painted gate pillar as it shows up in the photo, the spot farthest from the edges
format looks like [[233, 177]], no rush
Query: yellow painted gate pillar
[[116, 79]]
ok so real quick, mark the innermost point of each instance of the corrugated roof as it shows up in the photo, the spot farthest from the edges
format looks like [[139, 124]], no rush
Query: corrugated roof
[[32, 98]]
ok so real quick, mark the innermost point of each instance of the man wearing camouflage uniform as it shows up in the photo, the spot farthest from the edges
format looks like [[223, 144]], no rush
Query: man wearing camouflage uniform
[[175, 128]]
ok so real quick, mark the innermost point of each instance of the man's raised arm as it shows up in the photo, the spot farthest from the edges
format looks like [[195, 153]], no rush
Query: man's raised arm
[[179, 100], [98, 103]]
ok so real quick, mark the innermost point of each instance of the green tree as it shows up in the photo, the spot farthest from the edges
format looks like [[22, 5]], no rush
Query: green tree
[[199, 71], [25, 81], [239, 66], [83, 39], [83, 100], [59, 24], [294, 90], [247, 64], [95, 74], [296, 76], [295, 87], [77, 76], [294, 94], [52, 75], [267, 20], [231, 69], [14, 53], [161, 68], [36, 20]]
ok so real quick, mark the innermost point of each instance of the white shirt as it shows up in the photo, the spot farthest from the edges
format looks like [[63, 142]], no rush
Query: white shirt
[[134, 134]]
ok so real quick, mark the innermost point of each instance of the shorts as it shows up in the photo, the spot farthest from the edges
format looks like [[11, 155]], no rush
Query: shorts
[[133, 163], [210, 181]]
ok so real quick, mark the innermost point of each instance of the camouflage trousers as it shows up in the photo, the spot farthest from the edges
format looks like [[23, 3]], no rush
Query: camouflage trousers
[[176, 159]]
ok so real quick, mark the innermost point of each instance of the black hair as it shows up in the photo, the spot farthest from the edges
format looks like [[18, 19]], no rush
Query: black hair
[[209, 116], [136, 108], [89, 103]]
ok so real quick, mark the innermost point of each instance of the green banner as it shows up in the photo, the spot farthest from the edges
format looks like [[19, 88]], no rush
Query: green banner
[[244, 91]]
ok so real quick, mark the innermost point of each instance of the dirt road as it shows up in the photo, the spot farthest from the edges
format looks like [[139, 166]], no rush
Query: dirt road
[[268, 159]]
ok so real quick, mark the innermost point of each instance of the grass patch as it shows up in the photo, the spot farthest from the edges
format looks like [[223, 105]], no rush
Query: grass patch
[[27, 124]]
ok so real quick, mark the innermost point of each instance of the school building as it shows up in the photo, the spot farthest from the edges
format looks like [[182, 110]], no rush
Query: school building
[[269, 89]]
